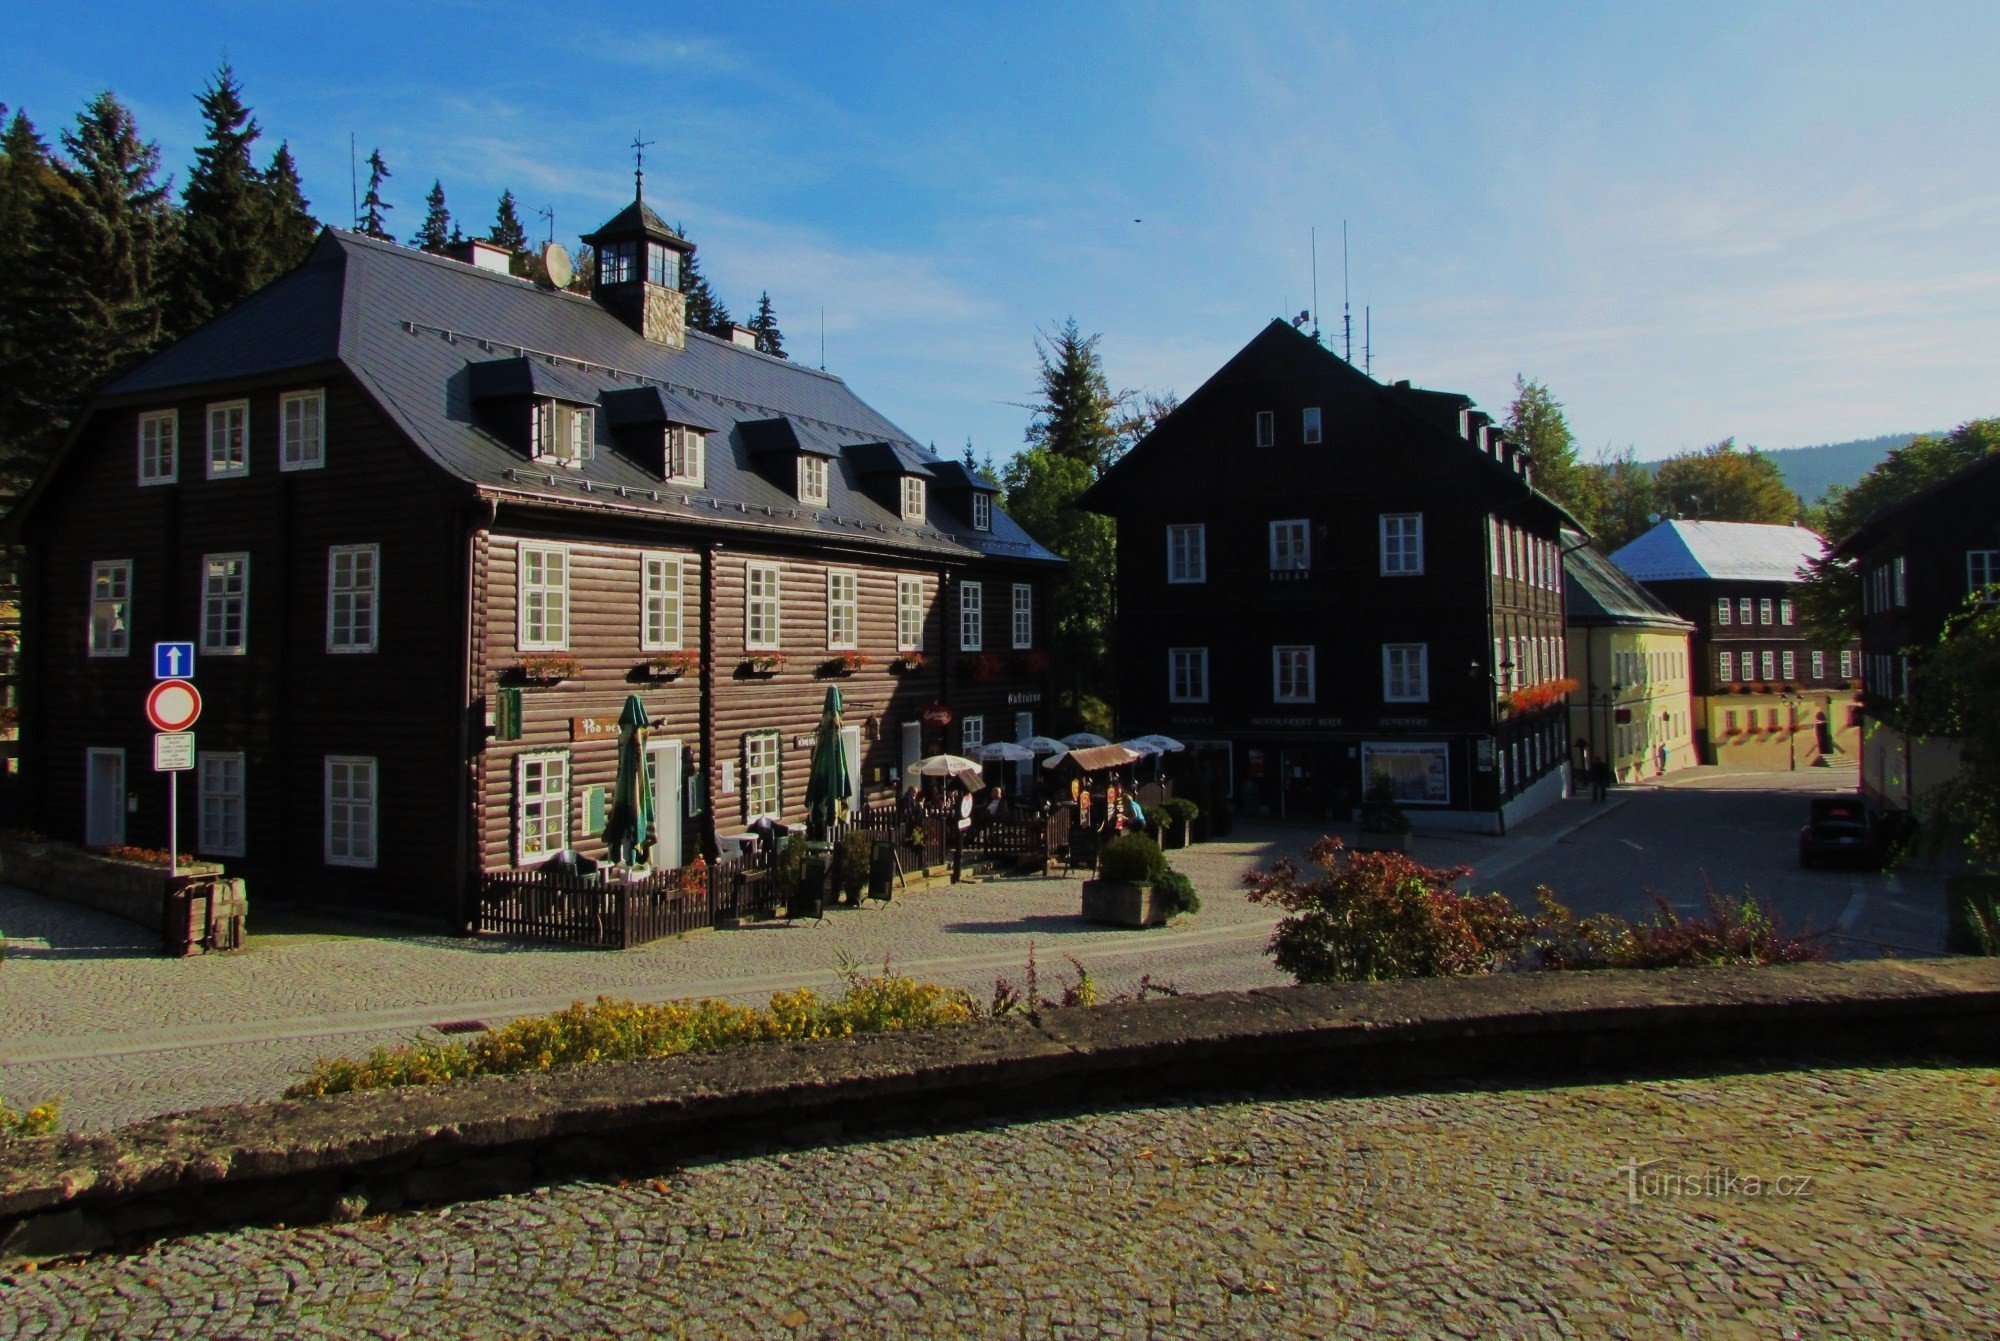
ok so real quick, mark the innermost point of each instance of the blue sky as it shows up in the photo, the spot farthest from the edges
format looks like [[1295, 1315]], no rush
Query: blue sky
[[1693, 221]]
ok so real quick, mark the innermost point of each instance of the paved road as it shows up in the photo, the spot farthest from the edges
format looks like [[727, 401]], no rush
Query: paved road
[[88, 1011], [1583, 1210]]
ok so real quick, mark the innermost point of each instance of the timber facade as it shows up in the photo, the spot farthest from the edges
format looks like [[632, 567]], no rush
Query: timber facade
[[429, 526]]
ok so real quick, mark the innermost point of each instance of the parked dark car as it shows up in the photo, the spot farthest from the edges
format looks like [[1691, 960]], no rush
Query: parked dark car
[[1840, 830]]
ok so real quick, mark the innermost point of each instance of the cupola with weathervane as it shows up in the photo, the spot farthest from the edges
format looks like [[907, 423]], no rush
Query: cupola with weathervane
[[639, 268]]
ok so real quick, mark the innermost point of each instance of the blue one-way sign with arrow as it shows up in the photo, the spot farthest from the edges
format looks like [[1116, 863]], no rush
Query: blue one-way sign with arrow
[[173, 661]]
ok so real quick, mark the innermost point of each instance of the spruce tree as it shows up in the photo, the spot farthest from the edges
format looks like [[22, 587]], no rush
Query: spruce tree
[[508, 232], [27, 178], [705, 311], [435, 234], [769, 339], [226, 221], [373, 207], [293, 228]]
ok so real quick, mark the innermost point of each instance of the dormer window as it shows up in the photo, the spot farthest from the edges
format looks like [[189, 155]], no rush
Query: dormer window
[[982, 512], [913, 498], [1312, 428], [687, 455], [617, 263], [563, 434], [812, 480], [1465, 424]]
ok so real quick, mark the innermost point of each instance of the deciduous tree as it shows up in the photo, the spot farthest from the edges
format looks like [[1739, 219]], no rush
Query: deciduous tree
[[1726, 483], [1536, 421]]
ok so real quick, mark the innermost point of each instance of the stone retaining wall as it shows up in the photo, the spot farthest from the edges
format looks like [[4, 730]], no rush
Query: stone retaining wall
[[128, 889], [350, 1155]]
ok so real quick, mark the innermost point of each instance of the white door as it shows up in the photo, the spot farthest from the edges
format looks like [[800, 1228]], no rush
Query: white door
[[850, 743], [913, 748], [669, 802], [104, 799]]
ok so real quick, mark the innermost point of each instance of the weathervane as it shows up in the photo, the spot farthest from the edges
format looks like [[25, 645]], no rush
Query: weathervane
[[639, 148]]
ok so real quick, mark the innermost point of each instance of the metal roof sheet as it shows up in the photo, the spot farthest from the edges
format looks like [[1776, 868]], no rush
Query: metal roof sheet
[[1597, 591], [1675, 551]]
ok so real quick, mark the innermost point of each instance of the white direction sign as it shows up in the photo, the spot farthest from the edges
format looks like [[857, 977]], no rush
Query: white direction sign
[[173, 661], [173, 752]]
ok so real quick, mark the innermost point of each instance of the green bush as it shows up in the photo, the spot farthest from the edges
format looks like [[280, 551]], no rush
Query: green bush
[[1739, 931], [1177, 891], [1974, 927], [1380, 813], [1131, 858], [37, 1121], [1180, 811], [851, 859], [788, 871]]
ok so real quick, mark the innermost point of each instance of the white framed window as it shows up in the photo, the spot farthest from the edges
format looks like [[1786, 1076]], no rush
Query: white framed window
[[220, 784], [302, 430], [228, 439], [1982, 570], [353, 596], [1847, 665], [562, 433], [1291, 546], [1763, 609], [813, 481], [1402, 544], [1902, 581], [1406, 674], [541, 806], [1416, 772], [1187, 674], [971, 733], [1768, 665], [982, 512], [761, 612], [909, 614], [761, 796], [1743, 610], [1187, 552], [971, 617], [1789, 661], [159, 447], [687, 455], [1507, 549], [913, 498], [1292, 675], [1722, 610], [225, 604], [1267, 428], [351, 808], [544, 598], [1310, 429], [1024, 615], [660, 625], [1785, 611], [111, 607], [843, 609]]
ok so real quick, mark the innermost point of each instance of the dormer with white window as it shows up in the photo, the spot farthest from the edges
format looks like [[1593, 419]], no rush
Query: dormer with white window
[[664, 430], [794, 455], [966, 492], [897, 475], [547, 410]]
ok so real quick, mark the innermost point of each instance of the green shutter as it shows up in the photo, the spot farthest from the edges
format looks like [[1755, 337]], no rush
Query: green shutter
[[596, 810], [507, 715]]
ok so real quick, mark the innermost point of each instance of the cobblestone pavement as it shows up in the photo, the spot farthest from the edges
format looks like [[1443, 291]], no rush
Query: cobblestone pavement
[[1590, 1209]]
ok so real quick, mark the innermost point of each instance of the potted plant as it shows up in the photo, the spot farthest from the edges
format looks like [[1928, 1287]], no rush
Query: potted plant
[[842, 664], [764, 663], [1122, 894], [672, 665], [1384, 826], [1179, 814], [852, 857], [548, 668], [984, 665], [909, 662]]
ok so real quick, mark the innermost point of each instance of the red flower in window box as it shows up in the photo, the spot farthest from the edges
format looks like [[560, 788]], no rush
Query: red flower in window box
[[548, 668], [764, 663], [844, 663], [672, 665], [1535, 697], [910, 662], [1033, 663], [984, 665]]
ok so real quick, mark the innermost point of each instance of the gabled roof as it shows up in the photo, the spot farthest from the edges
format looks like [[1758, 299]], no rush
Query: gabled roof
[[953, 476], [497, 379], [1597, 591], [658, 405], [1680, 551], [1851, 546], [891, 458], [410, 326], [784, 436], [638, 220]]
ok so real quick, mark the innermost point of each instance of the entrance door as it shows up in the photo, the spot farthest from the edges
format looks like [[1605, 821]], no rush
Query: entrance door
[[913, 748], [850, 745], [104, 799], [669, 802], [1024, 726]]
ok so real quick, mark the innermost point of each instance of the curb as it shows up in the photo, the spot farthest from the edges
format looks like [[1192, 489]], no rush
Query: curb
[[346, 1156]]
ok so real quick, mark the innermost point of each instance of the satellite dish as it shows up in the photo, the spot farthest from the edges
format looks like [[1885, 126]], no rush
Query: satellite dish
[[555, 261]]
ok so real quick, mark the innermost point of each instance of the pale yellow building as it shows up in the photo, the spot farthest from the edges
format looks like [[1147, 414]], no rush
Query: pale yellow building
[[1629, 656]]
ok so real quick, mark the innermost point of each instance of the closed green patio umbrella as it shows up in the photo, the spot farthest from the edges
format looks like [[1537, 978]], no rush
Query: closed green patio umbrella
[[828, 791], [628, 828]]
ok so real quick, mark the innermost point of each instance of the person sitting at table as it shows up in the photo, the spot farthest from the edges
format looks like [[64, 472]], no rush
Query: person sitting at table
[[996, 805]]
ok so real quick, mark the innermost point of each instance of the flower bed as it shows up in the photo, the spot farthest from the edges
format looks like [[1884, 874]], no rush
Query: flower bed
[[127, 882]]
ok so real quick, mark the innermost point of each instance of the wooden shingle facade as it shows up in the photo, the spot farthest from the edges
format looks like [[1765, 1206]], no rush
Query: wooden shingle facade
[[430, 525]]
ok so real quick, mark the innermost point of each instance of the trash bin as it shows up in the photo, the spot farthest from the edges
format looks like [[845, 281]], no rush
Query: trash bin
[[882, 870], [810, 900]]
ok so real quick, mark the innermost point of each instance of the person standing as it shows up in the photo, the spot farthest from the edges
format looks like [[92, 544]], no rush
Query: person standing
[[1600, 778], [1661, 758]]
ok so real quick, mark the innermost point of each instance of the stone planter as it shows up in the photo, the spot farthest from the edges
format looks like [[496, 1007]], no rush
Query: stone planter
[[1380, 842], [1122, 905], [132, 890]]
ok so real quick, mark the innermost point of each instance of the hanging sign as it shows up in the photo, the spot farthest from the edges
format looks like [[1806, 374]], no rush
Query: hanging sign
[[937, 716]]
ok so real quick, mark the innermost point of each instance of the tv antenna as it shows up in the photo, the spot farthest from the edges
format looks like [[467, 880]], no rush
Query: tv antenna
[[353, 186], [639, 148], [1315, 259], [1368, 340], [1346, 309], [548, 212]]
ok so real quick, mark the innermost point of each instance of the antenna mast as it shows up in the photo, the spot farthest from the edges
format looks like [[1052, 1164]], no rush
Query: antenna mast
[[1315, 255], [549, 212], [1346, 309], [1368, 340], [353, 186], [822, 337]]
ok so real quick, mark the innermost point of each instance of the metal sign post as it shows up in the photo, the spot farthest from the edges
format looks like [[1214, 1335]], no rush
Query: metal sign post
[[173, 754], [172, 706]]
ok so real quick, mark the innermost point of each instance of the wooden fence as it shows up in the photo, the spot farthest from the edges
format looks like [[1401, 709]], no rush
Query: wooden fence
[[605, 912]]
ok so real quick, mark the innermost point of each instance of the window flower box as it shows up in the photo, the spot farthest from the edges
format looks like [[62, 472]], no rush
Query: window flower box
[[842, 664], [672, 665], [548, 668], [909, 662], [763, 664], [1535, 697], [1032, 663], [984, 665]]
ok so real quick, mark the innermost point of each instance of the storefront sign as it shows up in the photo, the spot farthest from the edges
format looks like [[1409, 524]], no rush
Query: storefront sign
[[1024, 696], [593, 728], [1418, 772], [1296, 722], [1406, 721], [937, 717]]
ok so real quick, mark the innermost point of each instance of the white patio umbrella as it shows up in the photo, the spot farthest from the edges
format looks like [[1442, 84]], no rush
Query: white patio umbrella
[[1156, 744], [1042, 745], [1005, 752], [1083, 740], [1141, 746], [967, 771]]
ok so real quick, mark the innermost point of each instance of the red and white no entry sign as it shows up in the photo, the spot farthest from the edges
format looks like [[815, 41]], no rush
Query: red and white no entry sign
[[173, 705]]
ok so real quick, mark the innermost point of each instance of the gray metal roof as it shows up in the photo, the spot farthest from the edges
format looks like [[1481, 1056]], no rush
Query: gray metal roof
[[410, 326], [1678, 551], [1597, 591]]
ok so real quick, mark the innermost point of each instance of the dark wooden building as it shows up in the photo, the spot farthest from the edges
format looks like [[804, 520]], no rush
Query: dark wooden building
[[429, 525], [1765, 696], [1919, 563], [1324, 581]]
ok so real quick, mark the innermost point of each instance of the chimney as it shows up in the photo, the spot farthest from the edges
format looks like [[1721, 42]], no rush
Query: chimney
[[639, 274], [742, 336], [481, 255]]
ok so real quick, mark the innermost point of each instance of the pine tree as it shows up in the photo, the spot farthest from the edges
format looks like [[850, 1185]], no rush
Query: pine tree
[[373, 207], [435, 235], [705, 311], [225, 217], [1074, 418], [769, 339], [28, 177], [293, 228], [103, 239], [507, 232]]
